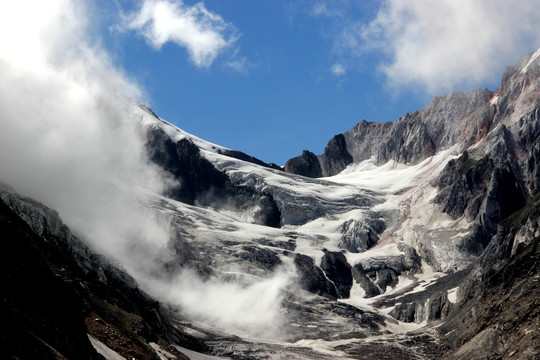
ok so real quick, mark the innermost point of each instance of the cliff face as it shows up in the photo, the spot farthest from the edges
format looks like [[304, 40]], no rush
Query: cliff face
[[459, 118], [497, 314], [61, 300]]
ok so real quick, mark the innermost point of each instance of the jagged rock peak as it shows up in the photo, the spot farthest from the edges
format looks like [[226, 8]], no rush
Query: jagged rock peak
[[416, 136], [336, 157], [529, 63], [306, 164], [459, 118]]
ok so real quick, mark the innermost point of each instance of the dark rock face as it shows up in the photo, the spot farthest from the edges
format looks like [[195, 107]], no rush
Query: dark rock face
[[463, 186], [499, 300], [338, 270], [311, 277], [196, 176], [504, 195], [527, 143], [199, 181], [376, 274], [366, 283], [336, 157], [482, 192], [59, 291], [41, 316], [434, 308], [306, 164], [245, 157], [268, 213], [359, 236], [429, 304], [265, 258]]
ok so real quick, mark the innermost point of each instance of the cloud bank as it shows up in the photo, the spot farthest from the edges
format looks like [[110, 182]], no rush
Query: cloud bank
[[70, 137], [438, 46], [203, 33]]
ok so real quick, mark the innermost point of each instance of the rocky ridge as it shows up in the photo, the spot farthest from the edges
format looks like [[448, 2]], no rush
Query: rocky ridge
[[431, 219]]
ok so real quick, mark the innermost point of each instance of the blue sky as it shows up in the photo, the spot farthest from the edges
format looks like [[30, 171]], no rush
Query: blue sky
[[271, 78]]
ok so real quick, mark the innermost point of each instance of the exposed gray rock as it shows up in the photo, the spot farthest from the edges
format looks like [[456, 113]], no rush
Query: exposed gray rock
[[463, 185], [434, 308], [312, 278], [429, 304], [268, 213], [408, 262], [411, 139], [408, 142], [338, 270], [419, 135], [504, 195], [375, 274], [245, 157], [263, 257], [361, 278], [501, 294], [306, 164], [336, 157], [482, 191], [360, 235]]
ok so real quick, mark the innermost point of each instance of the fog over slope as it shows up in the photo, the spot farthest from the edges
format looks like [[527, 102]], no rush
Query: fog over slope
[[70, 137]]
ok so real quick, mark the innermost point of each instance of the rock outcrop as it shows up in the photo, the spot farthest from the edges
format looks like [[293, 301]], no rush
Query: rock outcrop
[[312, 278], [338, 270], [306, 164], [498, 303], [195, 179], [462, 118], [376, 274], [335, 157], [360, 235], [57, 291]]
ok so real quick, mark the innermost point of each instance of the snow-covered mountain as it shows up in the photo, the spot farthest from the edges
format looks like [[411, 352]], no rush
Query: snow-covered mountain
[[402, 240]]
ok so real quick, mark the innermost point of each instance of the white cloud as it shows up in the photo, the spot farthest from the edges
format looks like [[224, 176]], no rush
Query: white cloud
[[68, 135], [438, 46], [203, 33], [338, 70]]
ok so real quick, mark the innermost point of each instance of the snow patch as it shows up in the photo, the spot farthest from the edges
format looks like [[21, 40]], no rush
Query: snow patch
[[531, 60], [104, 350], [176, 134], [452, 295]]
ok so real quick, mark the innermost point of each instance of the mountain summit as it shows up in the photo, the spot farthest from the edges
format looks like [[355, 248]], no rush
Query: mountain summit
[[413, 239]]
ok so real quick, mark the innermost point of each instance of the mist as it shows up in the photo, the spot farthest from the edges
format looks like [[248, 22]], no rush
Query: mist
[[70, 137]]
